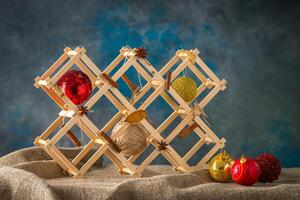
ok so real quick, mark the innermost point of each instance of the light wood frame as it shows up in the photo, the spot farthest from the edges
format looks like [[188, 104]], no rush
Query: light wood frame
[[105, 87]]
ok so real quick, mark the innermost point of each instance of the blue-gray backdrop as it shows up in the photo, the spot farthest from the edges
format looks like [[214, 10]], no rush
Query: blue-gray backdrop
[[252, 44]]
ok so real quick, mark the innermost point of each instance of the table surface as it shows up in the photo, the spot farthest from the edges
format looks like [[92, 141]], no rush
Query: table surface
[[30, 173]]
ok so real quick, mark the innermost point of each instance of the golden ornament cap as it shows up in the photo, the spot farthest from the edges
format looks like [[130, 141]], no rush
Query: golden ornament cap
[[136, 116]]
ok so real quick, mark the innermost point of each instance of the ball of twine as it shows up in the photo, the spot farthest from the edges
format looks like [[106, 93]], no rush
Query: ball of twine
[[132, 140]]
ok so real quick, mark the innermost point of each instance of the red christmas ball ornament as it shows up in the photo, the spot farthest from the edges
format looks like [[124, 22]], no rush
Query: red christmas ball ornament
[[76, 85], [245, 171], [270, 167]]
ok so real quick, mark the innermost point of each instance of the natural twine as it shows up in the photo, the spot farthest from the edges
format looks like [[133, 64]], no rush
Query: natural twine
[[132, 140]]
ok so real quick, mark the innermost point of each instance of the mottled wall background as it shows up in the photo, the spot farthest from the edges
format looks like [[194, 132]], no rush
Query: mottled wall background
[[253, 44]]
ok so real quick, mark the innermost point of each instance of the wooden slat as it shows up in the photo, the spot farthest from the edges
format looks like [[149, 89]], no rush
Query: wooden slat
[[115, 160], [57, 159], [142, 72], [54, 97], [131, 167], [141, 93], [169, 65], [55, 65], [147, 161], [134, 89], [167, 122], [114, 63], [205, 159], [57, 122], [179, 69], [200, 89], [90, 64], [179, 161], [197, 72], [63, 158], [206, 69], [83, 153], [152, 97], [178, 128], [150, 68], [193, 150], [92, 160], [206, 129], [212, 94], [65, 68], [112, 122], [85, 70], [63, 130]]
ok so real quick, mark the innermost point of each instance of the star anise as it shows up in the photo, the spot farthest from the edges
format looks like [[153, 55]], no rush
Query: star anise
[[83, 110], [141, 52], [162, 146]]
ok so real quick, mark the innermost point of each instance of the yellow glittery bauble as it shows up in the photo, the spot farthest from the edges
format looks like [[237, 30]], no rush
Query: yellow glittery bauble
[[220, 167], [186, 88]]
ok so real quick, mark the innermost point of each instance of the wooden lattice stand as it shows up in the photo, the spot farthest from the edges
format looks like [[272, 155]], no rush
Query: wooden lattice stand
[[105, 84]]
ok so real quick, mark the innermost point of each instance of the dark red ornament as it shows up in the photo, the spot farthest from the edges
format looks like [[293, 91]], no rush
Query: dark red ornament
[[245, 171], [270, 167], [76, 85]]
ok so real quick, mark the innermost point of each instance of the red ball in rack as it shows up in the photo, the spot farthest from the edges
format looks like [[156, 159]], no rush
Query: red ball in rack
[[270, 167], [76, 85], [245, 171]]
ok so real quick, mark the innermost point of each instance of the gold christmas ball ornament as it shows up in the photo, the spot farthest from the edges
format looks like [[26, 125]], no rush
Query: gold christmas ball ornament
[[220, 167], [185, 87]]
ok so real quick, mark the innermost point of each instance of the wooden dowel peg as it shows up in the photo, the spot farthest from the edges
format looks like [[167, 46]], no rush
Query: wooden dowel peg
[[42, 142], [224, 82], [67, 113], [98, 141], [43, 82], [36, 84], [156, 83], [71, 53], [209, 84], [39, 82], [125, 112], [99, 81], [208, 140], [181, 111]]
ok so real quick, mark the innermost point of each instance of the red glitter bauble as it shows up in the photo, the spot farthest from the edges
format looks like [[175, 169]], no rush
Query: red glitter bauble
[[245, 171], [270, 167], [76, 85]]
